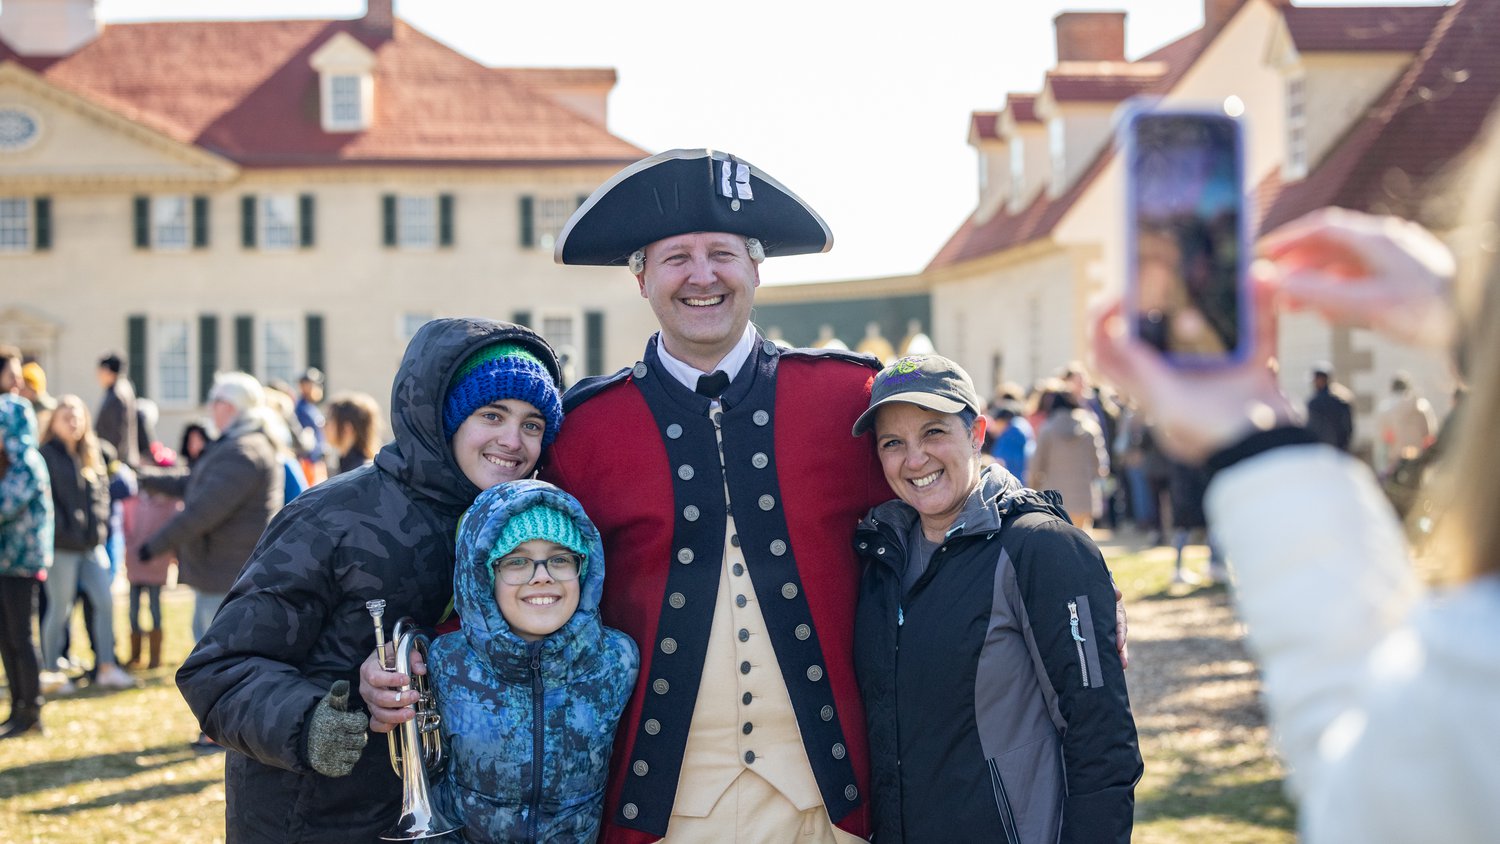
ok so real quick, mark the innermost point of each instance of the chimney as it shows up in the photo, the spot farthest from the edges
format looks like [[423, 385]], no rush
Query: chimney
[[380, 18], [48, 27], [1216, 13], [1091, 36]]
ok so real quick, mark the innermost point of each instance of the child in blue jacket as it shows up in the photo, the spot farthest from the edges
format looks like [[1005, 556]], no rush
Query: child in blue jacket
[[531, 687]]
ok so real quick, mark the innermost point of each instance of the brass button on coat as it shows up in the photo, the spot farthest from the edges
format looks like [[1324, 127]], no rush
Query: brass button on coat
[[685, 556], [674, 431], [653, 726], [677, 600], [789, 590], [661, 686], [669, 645]]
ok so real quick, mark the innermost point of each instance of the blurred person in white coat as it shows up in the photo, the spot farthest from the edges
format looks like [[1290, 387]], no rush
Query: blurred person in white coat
[[1383, 692]]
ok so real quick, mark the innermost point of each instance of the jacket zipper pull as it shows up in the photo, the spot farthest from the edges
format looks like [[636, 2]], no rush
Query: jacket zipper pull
[[1078, 640]]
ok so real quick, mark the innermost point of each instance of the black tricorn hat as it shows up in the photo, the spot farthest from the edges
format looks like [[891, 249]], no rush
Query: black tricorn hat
[[688, 190]]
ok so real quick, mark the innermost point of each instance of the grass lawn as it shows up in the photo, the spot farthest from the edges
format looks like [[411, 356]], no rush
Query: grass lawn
[[117, 767]]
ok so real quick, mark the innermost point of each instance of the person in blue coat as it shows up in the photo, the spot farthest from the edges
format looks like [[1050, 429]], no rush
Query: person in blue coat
[[531, 687]]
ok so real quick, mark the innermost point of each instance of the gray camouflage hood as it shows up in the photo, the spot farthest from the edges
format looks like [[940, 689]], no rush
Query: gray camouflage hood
[[420, 455]]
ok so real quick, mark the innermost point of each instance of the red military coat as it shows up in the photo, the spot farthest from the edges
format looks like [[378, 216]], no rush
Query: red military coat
[[639, 452]]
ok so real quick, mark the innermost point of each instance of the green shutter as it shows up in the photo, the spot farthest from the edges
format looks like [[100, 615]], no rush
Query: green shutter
[[244, 343], [528, 224], [42, 218], [200, 222], [135, 352], [593, 342], [522, 318], [143, 222], [247, 221], [388, 219], [306, 209], [315, 342], [445, 219], [208, 354]]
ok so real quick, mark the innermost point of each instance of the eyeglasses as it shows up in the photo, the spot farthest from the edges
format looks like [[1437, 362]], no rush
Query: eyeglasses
[[514, 571]]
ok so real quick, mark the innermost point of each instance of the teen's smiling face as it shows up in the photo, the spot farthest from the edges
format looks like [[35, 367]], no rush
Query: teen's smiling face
[[701, 287], [499, 442], [543, 604], [929, 460]]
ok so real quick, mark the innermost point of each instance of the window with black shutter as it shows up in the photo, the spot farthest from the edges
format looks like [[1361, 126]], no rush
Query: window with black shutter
[[244, 343], [305, 219], [42, 214], [247, 221], [208, 354], [200, 222]]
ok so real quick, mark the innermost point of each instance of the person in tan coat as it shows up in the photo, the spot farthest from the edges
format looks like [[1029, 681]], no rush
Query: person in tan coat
[[1070, 458]]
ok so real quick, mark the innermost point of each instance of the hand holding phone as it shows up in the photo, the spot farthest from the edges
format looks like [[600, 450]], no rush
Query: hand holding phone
[[1186, 245]]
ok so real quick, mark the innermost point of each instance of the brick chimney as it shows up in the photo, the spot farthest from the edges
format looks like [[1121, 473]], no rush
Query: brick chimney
[[380, 18], [1216, 13], [1091, 36]]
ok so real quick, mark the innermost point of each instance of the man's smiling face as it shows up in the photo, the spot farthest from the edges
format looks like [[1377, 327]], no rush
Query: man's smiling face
[[701, 287]]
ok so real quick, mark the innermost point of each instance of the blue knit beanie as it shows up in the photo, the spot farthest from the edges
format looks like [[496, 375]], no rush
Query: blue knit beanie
[[542, 521], [502, 371]]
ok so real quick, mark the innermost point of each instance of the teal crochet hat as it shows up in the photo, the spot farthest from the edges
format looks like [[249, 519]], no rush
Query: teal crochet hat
[[502, 371], [541, 521]]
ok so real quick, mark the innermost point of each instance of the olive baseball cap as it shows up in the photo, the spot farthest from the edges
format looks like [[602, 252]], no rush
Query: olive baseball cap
[[930, 381]]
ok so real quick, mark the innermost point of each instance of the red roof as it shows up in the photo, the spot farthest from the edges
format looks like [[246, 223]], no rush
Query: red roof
[[1390, 161], [1398, 28], [1022, 107], [1100, 87], [245, 90], [982, 125], [1430, 115], [1005, 230]]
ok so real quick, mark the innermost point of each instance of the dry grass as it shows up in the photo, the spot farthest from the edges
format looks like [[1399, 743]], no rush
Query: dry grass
[[117, 767]]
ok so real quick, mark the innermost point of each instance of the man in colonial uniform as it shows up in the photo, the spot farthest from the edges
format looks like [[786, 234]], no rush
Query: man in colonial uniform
[[720, 473]]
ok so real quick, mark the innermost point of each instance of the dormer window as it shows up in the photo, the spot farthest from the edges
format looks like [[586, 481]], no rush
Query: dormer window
[[1017, 171], [346, 86], [343, 93]]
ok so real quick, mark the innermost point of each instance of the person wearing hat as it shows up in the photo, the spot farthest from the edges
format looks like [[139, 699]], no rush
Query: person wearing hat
[[1006, 716], [725, 488], [475, 403], [531, 667], [33, 388]]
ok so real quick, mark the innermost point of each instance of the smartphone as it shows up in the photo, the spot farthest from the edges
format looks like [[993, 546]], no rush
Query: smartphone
[[1186, 241]]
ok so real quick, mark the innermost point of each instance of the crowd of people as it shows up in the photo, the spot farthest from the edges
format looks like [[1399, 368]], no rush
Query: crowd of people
[[90, 495], [843, 601]]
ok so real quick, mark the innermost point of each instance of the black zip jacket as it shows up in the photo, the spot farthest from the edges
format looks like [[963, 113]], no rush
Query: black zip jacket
[[994, 696], [80, 505]]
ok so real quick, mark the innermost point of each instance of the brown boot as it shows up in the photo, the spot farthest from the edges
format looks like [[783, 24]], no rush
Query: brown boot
[[135, 650], [155, 649]]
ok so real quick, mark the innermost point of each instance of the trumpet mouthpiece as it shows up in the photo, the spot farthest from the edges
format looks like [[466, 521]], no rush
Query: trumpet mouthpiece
[[376, 607]]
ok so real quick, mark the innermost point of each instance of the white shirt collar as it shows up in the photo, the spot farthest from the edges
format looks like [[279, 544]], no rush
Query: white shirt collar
[[687, 374]]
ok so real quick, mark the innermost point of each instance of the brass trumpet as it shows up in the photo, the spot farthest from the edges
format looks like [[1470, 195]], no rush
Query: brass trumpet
[[419, 748]]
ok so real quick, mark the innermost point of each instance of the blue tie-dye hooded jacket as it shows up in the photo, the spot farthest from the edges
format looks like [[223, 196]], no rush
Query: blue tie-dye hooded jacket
[[25, 494], [527, 727]]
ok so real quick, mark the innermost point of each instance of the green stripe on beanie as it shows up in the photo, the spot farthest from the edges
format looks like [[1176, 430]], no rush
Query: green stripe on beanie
[[542, 521], [502, 371], [489, 353]]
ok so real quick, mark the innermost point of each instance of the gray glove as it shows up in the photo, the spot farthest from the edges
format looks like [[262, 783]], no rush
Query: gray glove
[[335, 736]]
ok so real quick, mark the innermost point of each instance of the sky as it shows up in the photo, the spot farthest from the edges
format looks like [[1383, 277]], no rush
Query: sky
[[862, 109]]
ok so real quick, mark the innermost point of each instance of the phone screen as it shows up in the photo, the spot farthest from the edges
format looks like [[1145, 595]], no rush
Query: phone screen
[[1186, 208]]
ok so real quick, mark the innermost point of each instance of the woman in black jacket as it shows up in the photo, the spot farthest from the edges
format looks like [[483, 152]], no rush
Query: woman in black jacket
[[80, 507], [985, 639]]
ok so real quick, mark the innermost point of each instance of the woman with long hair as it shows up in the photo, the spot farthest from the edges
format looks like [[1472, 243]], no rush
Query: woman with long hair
[[353, 422], [80, 507]]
